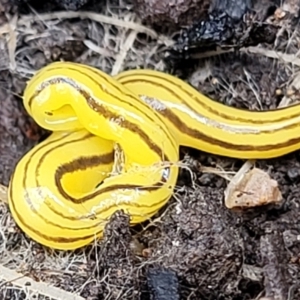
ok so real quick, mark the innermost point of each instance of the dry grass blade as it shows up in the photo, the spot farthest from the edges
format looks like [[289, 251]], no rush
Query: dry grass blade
[[94, 17], [3, 193], [32, 286], [12, 42], [123, 53], [284, 57]]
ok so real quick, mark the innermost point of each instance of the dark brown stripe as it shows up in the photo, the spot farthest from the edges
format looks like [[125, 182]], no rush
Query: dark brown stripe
[[58, 240], [108, 189], [207, 107], [108, 82], [184, 129], [290, 126], [134, 98], [83, 138], [71, 168], [19, 216], [42, 86], [92, 216], [61, 239], [82, 164], [106, 113], [199, 135]]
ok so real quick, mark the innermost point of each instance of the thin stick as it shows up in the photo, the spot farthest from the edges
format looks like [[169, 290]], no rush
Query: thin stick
[[28, 284], [3, 193], [24, 20]]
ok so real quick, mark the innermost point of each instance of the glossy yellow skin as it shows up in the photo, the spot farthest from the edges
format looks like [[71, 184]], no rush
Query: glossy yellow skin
[[55, 193]]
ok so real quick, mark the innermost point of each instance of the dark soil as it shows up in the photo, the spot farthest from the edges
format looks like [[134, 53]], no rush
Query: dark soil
[[210, 252]]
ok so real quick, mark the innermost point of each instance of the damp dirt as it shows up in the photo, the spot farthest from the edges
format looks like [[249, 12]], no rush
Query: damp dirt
[[198, 247]]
